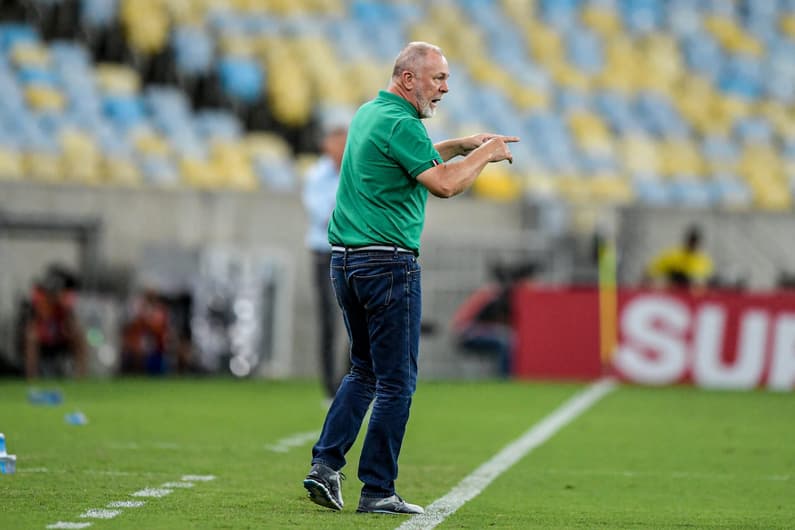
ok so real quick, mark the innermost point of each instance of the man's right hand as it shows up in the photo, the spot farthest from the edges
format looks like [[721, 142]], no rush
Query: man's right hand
[[498, 149]]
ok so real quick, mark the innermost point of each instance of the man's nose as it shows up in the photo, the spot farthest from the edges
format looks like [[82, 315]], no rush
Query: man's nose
[[444, 88]]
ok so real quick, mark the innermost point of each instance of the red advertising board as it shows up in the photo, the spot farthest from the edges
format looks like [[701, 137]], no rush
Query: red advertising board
[[716, 339]]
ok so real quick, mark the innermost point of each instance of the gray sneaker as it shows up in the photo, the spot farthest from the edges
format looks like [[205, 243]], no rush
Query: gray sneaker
[[323, 485], [393, 504]]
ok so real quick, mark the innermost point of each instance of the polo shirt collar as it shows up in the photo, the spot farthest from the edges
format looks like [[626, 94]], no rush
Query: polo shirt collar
[[385, 94]]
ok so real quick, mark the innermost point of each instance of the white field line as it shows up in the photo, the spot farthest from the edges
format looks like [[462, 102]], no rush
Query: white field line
[[126, 504], [473, 484], [100, 513], [292, 441], [153, 492]]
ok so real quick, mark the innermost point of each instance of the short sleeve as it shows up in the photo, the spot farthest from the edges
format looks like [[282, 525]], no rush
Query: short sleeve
[[411, 147]]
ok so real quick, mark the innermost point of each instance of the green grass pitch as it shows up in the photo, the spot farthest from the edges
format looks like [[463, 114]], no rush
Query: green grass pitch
[[639, 458]]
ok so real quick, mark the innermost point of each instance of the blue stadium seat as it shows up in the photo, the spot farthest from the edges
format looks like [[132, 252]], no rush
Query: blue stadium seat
[[193, 50], [652, 192], [125, 111], [242, 78], [741, 76], [215, 124], [96, 14], [584, 49], [641, 16], [12, 34]]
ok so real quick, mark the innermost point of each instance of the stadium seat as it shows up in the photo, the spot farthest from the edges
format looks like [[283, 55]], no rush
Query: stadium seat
[[242, 78], [497, 184], [11, 164], [121, 171], [81, 158]]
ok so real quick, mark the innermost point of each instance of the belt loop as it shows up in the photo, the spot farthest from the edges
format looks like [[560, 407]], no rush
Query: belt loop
[[396, 251], [345, 259]]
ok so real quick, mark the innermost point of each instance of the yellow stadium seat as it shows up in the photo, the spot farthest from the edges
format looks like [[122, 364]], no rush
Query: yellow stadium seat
[[121, 171], [574, 189], [771, 196], [497, 184], [733, 37], [231, 163], [198, 173], [185, 12], [640, 155], [761, 162], [590, 131], [428, 32], [545, 43], [782, 117], [266, 145], [538, 185], [519, 9], [30, 54], [611, 189], [81, 158], [148, 142], [45, 98], [238, 45], [616, 79], [291, 107], [117, 79], [606, 22], [289, 93], [146, 24], [43, 166], [526, 98], [568, 76], [661, 66], [787, 25], [681, 157], [706, 110], [622, 65], [11, 164]]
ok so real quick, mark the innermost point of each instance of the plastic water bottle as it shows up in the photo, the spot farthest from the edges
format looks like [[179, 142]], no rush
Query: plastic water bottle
[[76, 418], [8, 464], [44, 397]]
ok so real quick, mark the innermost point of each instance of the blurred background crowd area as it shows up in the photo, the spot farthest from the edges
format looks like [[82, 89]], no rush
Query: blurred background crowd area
[[642, 102]]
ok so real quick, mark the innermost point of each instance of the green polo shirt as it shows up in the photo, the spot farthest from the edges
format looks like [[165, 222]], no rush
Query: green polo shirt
[[379, 200]]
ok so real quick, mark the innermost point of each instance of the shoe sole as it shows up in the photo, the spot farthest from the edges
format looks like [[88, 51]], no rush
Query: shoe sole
[[319, 494], [387, 512]]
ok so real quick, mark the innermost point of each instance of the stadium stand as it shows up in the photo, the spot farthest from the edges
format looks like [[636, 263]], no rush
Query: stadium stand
[[645, 102]]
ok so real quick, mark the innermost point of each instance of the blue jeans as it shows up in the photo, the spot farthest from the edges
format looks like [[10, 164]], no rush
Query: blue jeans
[[380, 296]]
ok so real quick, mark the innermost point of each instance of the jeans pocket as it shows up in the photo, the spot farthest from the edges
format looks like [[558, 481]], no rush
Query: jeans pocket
[[373, 290]]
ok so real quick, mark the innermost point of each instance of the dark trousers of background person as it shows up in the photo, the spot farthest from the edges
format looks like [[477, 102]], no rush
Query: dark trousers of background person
[[328, 317]]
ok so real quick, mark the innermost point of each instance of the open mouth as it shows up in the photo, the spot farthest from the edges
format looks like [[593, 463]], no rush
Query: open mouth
[[436, 101]]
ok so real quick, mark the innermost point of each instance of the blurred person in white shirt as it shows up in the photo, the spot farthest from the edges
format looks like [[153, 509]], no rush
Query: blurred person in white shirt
[[319, 197]]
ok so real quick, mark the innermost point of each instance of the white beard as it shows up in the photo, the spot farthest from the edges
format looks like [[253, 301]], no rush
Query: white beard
[[426, 111]]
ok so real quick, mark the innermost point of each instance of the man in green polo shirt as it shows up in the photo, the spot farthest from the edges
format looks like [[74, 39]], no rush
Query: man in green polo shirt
[[389, 166]]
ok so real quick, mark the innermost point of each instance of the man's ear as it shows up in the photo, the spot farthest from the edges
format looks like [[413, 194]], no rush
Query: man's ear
[[407, 78]]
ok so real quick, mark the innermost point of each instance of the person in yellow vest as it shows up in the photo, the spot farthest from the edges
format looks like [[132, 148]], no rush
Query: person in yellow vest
[[685, 265]]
